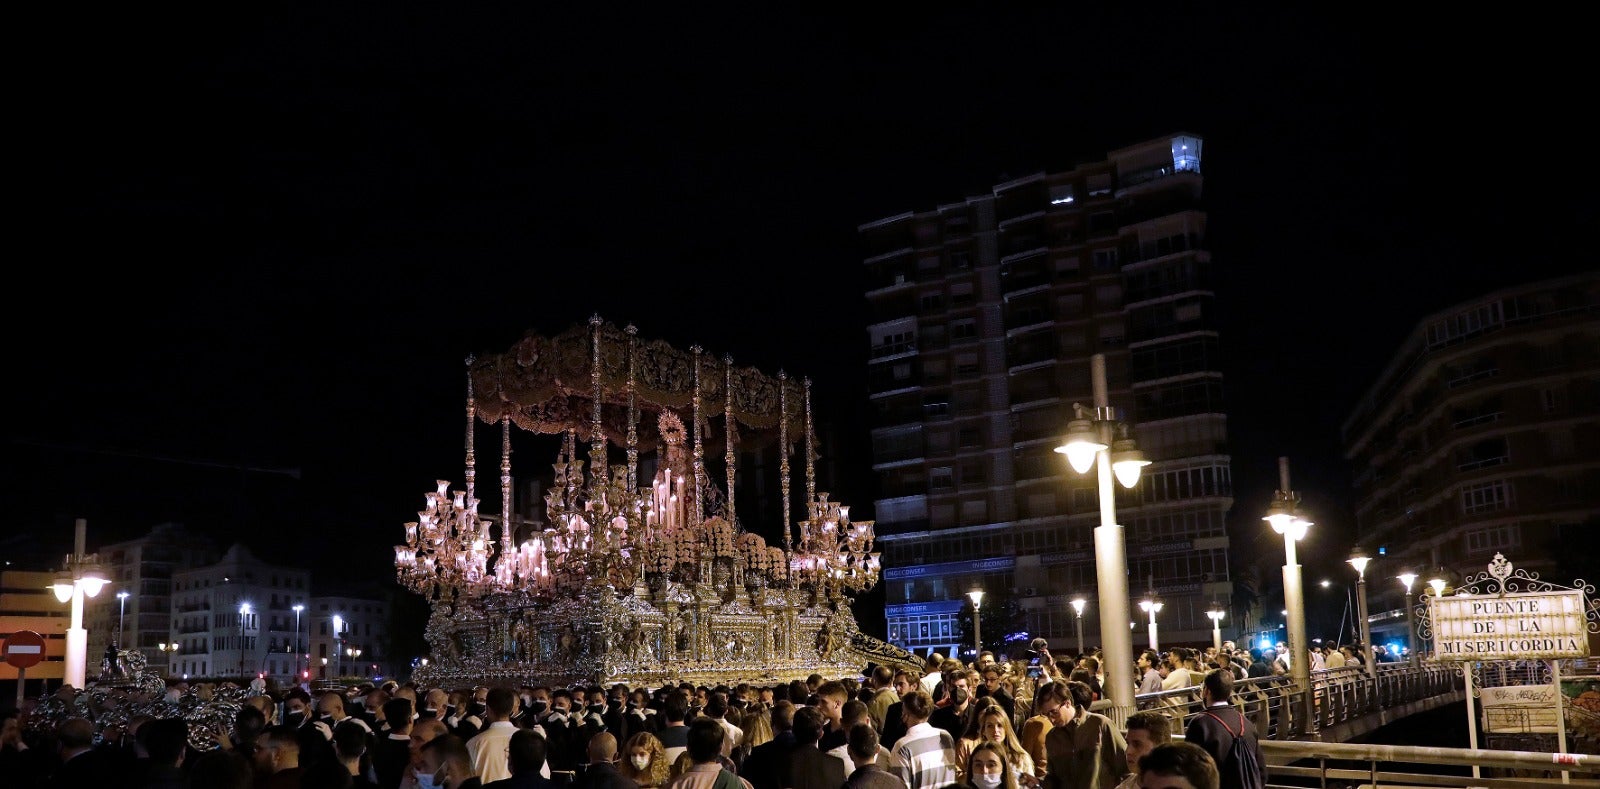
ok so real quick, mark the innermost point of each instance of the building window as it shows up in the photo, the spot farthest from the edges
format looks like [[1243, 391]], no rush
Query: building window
[[963, 330], [1105, 260], [1549, 401], [941, 479], [1498, 538], [1487, 497]]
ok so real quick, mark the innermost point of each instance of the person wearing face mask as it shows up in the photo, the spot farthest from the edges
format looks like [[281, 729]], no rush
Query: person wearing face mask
[[602, 772], [644, 761], [295, 706], [447, 765], [391, 752], [422, 733], [988, 768], [434, 704]]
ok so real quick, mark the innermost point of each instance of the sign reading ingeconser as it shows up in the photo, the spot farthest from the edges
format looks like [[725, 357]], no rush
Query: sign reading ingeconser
[[1508, 627]]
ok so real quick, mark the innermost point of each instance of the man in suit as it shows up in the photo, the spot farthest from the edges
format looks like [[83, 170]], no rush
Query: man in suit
[[864, 753], [893, 726]]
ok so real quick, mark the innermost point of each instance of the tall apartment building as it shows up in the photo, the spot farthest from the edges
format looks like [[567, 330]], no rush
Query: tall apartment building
[[984, 313], [1481, 436], [236, 617], [143, 569]]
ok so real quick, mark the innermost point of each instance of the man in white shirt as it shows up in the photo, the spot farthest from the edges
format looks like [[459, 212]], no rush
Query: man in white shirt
[[934, 675], [716, 708], [490, 748]]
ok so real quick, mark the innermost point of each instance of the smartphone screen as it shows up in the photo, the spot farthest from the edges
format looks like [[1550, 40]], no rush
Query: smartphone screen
[[1035, 672]]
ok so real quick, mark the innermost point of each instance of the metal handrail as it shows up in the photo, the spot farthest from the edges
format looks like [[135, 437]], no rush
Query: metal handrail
[[1339, 695], [1545, 768]]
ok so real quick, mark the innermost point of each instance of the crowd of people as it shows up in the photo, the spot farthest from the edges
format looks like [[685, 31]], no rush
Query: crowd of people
[[992, 724]]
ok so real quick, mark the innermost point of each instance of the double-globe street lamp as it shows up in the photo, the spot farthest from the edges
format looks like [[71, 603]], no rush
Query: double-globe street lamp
[[1284, 516], [1152, 605], [80, 577], [1215, 614], [1359, 560], [1090, 442]]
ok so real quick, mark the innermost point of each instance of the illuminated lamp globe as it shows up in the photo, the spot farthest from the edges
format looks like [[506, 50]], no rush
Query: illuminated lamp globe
[[62, 588], [93, 581], [1080, 444], [1127, 462]]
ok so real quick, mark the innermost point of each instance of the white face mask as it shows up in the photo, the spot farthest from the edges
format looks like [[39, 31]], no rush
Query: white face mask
[[425, 780], [987, 781], [639, 762]]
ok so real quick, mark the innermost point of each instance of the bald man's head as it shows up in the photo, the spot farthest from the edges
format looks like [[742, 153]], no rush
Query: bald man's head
[[602, 748]]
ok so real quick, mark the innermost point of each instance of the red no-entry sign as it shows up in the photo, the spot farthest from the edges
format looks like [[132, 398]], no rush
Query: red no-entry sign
[[23, 648]]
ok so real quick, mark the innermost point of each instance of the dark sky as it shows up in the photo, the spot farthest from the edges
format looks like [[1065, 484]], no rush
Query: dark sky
[[269, 238]]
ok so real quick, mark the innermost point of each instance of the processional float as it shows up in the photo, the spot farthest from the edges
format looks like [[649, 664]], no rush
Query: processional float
[[628, 579]]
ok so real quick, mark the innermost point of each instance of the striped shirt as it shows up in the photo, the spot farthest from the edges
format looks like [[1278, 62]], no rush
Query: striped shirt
[[927, 757]]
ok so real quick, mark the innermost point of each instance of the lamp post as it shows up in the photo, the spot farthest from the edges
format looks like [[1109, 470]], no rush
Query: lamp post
[[1359, 560], [297, 609], [1152, 605], [1285, 519], [169, 651], [80, 577], [338, 643], [244, 611], [1089, 443], [1215, 614], [976, 596], [1078, 604], [122, 614], [1409, 579]]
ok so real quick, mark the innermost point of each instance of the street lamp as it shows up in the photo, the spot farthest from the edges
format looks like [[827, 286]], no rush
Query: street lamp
[[1152, 604], [1215, 614], [1410, 579], [297, 609], [976, 596], [338, 643], [325, 668], [1089, 443], [1359, 560], [80, 577], [244, 611], [1078, 604], [122, 614], [1285, 519]]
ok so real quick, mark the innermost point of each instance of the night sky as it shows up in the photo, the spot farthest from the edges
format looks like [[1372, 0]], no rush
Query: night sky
[[252, 242]]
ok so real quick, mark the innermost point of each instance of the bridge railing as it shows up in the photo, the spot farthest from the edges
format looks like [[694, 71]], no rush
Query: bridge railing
[[1339, 694], [1357, 764]]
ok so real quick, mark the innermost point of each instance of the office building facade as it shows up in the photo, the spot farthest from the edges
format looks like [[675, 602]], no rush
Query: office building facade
[[142, 568], [1481, 436], [342, 625], [984, 315], [236, 617]]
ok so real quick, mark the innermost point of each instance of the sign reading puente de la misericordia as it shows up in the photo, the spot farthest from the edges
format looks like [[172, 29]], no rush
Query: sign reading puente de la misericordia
[[1517, 625]]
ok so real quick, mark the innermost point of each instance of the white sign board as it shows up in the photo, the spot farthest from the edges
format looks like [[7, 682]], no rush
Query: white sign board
[[1520, 709], [1512, 626]]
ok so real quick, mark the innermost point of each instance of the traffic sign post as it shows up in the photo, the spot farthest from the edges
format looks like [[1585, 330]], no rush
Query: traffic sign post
[[22, 649]]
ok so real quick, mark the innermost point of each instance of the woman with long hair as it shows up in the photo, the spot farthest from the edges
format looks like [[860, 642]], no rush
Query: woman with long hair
[[992, 725], [988, 768], [644, 761]]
